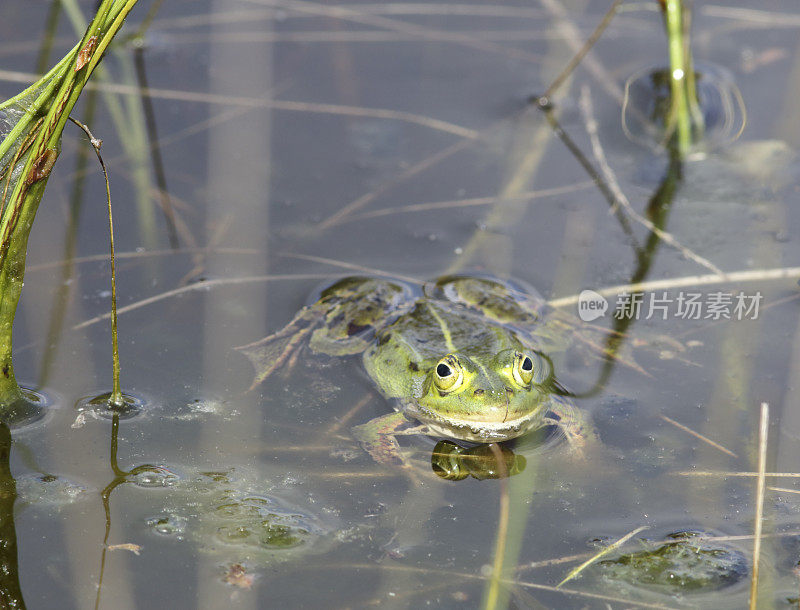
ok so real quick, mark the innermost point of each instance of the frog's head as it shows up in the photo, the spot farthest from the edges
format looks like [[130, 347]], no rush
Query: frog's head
[[492, 397]]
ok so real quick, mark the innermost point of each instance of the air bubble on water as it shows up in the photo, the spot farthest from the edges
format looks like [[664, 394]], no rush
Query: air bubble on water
[[168, 525], [156, 478]]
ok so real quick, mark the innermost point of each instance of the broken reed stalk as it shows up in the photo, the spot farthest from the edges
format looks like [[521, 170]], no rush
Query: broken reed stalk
[[46, 104], [762, 469], [115, 399]]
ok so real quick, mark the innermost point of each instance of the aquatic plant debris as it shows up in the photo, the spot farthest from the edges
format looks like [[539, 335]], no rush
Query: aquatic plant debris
[[237, 576], [125, 546], [687, 564]]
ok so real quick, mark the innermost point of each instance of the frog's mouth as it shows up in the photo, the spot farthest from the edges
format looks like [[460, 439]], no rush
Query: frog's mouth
[[484, 430]]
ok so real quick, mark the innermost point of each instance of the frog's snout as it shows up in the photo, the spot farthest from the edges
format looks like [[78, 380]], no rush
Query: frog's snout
[[496, 403]]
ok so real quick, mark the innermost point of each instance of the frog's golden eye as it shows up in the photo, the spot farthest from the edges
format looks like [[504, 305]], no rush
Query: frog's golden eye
[[448, 374], [523, 369]]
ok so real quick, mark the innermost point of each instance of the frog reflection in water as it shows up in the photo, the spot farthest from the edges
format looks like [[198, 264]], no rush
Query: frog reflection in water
[[455, 463], [467, 358]]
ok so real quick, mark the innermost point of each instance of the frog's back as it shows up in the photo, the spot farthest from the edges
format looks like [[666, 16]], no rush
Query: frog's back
[[435, 328]]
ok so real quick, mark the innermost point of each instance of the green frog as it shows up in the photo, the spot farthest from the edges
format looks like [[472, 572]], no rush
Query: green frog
[[465, 356]]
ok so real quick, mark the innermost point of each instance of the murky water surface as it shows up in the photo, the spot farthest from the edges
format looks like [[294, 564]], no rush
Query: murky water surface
[[299, 142]]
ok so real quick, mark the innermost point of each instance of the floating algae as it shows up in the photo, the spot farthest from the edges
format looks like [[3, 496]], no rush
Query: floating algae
[[690, 564]]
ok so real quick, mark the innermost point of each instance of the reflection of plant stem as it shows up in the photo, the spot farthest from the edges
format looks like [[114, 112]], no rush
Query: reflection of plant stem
[[658, 208], [106, 498], [152, 135], [120, 477], [615, 190], [492, 595], [10, 591]]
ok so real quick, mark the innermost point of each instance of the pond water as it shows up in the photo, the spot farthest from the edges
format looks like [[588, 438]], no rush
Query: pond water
[[298, 142]]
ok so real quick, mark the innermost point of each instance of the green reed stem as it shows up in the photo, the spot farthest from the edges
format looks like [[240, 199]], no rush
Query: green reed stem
[[58, 91], [685, 114], [673, 13]]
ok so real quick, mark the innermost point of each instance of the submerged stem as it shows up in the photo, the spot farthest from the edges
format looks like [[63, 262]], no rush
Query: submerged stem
[[494, 596]]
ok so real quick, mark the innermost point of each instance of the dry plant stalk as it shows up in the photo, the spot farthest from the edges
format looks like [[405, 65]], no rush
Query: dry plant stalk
[[762, 468]]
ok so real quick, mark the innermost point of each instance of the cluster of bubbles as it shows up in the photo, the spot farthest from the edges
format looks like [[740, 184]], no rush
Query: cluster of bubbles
[[222, 515]]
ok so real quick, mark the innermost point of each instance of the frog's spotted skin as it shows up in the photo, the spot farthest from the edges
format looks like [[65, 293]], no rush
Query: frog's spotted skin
[[350, 309], [466, 356]]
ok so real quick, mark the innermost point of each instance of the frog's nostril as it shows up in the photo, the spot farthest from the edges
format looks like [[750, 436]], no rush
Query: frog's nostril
[[478, 392], [510, 391]]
